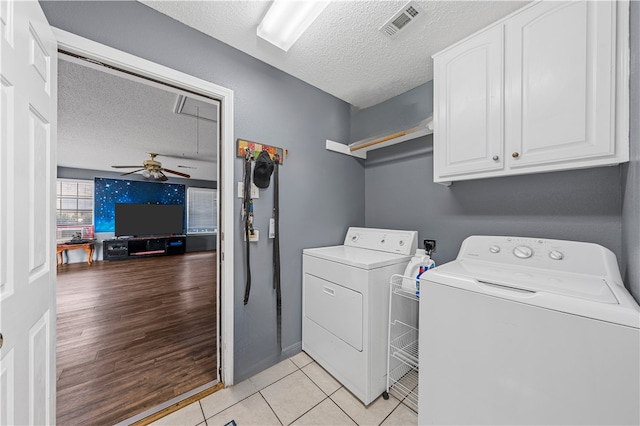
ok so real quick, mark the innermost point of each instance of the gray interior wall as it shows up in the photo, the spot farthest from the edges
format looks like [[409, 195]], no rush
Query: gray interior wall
[[581, 205], [396, 114], [320, 191], [631, 171]]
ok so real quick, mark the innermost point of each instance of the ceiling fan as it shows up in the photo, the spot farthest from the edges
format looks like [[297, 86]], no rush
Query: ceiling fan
[[152, 169]]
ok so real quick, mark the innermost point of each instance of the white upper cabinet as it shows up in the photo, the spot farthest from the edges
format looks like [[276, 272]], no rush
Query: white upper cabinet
[[534, 92], [469, 111]]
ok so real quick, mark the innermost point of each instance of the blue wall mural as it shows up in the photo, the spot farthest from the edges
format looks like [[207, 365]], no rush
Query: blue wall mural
[[108, 192]]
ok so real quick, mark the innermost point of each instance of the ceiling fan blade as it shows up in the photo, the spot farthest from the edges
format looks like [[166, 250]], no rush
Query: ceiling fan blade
[[177, 173], [162, 177], [125, 167], [206, 158], [135, 171]]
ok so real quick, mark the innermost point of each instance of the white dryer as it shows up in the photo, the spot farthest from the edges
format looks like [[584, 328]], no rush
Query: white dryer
[[528, 331], [345, 305]]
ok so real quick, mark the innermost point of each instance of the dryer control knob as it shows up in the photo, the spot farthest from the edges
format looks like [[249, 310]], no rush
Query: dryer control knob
[[556, 255], [523, 252], [494, 249]]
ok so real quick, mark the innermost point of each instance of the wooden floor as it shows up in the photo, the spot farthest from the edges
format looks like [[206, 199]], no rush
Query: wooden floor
[[133, 334]]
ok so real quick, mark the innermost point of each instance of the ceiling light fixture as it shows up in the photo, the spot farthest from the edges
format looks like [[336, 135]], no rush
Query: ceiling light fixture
[[286, 20]]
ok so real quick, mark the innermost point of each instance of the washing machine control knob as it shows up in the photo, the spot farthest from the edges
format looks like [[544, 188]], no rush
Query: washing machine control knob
[[523, 252], [494, 249], [355, 237], [556, 255]]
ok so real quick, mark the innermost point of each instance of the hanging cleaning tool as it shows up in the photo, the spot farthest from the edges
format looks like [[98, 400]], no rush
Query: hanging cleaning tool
[[276, 250], [247, 204]]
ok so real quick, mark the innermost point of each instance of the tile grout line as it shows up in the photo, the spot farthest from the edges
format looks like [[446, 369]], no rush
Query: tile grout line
[[299, 368], [303, 414], [271, 408], [232, 405], [204, 416], [257, 391], [328, 396]]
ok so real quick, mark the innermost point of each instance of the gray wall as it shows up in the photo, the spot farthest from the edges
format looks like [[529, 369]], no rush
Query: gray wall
[[397, 113], [320, 191], [631, 171], [581, 205]]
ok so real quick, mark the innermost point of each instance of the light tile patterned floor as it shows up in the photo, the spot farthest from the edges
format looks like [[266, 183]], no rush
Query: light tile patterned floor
[[296, 391]]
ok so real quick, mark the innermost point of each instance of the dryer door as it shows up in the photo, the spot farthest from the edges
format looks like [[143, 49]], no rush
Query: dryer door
[[335, 308]]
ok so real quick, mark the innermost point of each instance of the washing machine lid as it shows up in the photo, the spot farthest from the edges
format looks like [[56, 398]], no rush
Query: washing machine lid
[[581, 294], [582, 286], [357, 257]]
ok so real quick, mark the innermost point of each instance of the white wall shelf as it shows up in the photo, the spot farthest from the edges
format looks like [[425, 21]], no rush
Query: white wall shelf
[[360, 148]]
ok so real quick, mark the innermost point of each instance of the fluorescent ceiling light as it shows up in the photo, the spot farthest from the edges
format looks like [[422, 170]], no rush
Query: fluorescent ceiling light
[[286, 20]]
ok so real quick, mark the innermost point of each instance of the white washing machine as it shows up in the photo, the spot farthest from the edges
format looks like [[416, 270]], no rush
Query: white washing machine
[[528, 331], [345, 305]]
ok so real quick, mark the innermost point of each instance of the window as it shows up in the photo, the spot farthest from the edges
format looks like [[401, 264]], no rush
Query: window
[[74, 208], [202, 216]]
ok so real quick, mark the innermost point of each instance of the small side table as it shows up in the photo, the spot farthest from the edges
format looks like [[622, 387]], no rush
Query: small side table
[[86, 245]]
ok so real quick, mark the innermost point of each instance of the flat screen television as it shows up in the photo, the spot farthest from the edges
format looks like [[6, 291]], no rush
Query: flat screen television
[[137, 220]]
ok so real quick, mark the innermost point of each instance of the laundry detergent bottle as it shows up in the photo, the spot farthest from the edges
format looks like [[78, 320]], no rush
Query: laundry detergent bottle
[[418, 265]]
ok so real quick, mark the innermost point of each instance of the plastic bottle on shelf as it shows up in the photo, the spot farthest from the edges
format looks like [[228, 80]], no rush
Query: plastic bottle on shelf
[[419, 264]]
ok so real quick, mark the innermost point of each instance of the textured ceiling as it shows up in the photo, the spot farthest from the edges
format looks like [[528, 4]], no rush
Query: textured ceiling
[[343, 52], [106, 120]]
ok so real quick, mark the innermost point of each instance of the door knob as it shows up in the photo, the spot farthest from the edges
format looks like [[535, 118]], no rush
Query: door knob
[[515, 155]]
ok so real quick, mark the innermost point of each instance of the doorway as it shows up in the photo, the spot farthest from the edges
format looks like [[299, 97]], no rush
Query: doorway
[[195, 87]]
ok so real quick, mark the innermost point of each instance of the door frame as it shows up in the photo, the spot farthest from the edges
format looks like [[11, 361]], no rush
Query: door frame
[[92, 50]]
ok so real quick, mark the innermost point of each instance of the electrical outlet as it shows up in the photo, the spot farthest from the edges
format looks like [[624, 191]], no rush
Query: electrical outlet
[[429, 245], [252, 238], [255, 191]]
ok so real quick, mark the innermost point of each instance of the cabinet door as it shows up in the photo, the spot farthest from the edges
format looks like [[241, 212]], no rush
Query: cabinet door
[[468, 103], [560, 83]]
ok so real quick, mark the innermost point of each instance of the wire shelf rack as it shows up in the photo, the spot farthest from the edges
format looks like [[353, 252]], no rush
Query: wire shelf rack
[[404, 286], [403, 361], [405, 346], [404, 385]]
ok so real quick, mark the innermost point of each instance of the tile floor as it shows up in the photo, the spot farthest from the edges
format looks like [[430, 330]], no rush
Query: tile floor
[[297, 391]]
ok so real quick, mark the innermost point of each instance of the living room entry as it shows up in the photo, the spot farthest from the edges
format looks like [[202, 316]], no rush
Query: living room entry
[[137, 180]]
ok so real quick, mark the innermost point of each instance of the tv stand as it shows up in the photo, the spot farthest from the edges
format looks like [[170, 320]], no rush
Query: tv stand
[[128, 248]]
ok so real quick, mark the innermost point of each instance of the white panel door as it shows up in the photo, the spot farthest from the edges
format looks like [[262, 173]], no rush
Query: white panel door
[[560, 85], [468, 103], [28, 68]]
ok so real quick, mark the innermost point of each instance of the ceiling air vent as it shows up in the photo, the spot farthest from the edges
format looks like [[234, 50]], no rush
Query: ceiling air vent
[[401, 19]]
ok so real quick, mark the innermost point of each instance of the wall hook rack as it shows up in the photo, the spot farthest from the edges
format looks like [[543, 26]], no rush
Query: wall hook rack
[[255, 148]]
